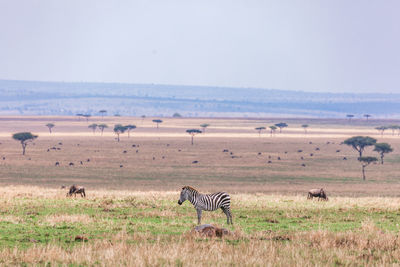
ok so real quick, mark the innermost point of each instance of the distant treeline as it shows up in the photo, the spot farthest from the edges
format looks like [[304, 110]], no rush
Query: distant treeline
[[59, 98]]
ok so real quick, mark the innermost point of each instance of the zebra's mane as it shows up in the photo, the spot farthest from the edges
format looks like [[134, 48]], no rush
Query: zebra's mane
[[190, 188]]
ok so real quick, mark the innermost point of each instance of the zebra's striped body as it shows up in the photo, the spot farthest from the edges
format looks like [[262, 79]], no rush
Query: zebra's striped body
[[208, 202]]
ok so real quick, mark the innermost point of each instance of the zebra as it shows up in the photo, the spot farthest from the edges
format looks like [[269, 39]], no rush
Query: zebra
[[208, 202], [76, 190]]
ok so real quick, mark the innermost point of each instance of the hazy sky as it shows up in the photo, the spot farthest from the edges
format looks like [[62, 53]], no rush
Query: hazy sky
[[330, 46]]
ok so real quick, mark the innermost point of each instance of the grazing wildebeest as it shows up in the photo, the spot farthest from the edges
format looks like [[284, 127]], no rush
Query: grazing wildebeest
[[318, 192], [76, 190], [71, 164], [209, 202], [57, 163]]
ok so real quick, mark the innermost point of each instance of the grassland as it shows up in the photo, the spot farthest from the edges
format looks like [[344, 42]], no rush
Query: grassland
[[149, 228], [131, 216]]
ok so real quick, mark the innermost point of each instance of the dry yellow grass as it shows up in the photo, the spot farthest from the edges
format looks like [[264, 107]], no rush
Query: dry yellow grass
[[369, 244], [162, 159], [130, 215]]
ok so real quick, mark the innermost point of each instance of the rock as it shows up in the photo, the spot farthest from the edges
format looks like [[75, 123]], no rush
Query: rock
[[210, 230]]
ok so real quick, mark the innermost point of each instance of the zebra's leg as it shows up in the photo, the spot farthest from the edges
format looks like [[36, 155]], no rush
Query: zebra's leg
[[228, 214], [198, 216]]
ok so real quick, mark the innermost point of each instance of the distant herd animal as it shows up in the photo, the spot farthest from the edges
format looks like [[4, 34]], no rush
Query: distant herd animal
[[319, 193], [73, 190]]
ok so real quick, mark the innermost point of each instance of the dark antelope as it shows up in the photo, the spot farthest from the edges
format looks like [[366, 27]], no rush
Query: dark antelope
[[319, 193], [76, 190]]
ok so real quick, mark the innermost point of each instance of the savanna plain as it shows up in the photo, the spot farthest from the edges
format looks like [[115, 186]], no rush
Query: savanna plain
[[130, 215]]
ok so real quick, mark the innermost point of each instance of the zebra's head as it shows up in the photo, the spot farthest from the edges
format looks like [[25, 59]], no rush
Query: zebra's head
[[184, 195], [186, 191]]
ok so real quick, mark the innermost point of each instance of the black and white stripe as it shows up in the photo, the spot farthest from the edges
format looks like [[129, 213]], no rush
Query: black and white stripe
[[208, 202]]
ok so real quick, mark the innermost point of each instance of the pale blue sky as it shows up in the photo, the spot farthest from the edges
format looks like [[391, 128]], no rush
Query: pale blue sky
[[329, 46]]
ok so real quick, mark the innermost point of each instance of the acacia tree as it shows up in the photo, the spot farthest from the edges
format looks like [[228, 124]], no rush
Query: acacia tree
[[24, 138], [193, 132], [382, 149], [143, 117], [93, 126], [87, 116], [381, 129], [350, 116], [204, 126], [305, 126], [129, 128], [359, 143], [119, 129], [393, 128], [259, 129], [367, 116], [50, 126], [102, 126], [273, 129], [158, 122], [102, 112], [365, 161], [281, 125], [79, 115]]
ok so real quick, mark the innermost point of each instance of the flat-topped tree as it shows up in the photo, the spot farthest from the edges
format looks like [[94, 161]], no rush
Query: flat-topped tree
[[93, 126], [393, 127], [143, 117], [193, 132], [204, 126], [273, 129], [86, 116], [359, 143], [350, 116], [305, 126], [50, 126], [79, 115], [24, 138], [281, 125], [102, 113], [119, 129], [129, 128], [259, 129], [157, 122], [382, 149], [365, 161], [367, 116], [102, 126], [381, 129]]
